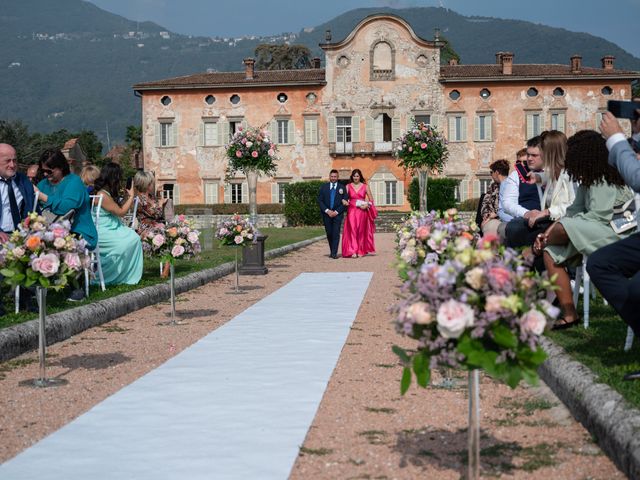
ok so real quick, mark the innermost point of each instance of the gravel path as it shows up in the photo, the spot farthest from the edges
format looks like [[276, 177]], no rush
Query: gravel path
[[363, 429]]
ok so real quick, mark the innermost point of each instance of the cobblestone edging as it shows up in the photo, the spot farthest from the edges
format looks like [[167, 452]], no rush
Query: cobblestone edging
[[604, 412], [19, 339]]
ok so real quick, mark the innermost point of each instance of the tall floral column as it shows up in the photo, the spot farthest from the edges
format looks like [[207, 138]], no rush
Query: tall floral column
[[252, 152], [422, 150]]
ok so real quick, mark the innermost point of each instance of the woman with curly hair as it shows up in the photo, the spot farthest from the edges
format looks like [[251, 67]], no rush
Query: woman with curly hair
[[585, 227]]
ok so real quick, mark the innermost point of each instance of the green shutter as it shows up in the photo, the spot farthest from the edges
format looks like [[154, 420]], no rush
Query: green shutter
[[314, 131], [291, 132], [464, 190], [176, 194], [488, 127], [463, 127], [274, 193], [411, 121], [174, 134], [476, 188], [368, 129], [245, 192], [158, 135], [435, 120], [355, 129], [452, 129], [273, 129], [227, 193], [561, 122], [476, 128], [529, 126], [395, 128], [400, 192], [331, 129], [202, 134], [378, 135]]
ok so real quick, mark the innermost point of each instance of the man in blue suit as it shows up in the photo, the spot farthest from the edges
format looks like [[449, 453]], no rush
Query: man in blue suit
[[16, 194], [330, 200]]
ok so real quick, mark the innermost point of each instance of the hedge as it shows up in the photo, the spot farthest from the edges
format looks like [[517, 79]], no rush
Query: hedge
[[227, 208], [469, 205], [440, 193], [301, 207]]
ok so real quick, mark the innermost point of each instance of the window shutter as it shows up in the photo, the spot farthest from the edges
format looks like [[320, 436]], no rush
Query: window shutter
[[395, 128], [476, 188], [355, 129], [464, 187], [368, 129], [378, 129], [273, 129], [227, 193], [307, 131], [245, 192], [274, 193], [463, 127], [176, 194], [374, 191], [598, 120], [331, 129], [529, 120], [488, 121], [476, 128], [314, 131], [292, 132], [400, 192], [435, 121], [381, 194], [158, 135], [452, 129], [542, 123], [411, 121], [561, 126], [244, 124], [201, 136], [174, 135]]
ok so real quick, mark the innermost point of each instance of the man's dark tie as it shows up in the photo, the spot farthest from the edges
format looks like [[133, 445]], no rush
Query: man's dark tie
[[333, 195], [13, 205]]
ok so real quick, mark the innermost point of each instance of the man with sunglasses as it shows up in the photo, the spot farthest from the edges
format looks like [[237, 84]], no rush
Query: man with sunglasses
[[16, 196]]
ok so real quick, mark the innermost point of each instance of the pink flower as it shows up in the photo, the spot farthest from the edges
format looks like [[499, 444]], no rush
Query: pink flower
[[177, 251], [533, 322], [47, 264], [254, 154], [453, 318], [59, 232], [59, 243], [238, 239], [181, 218], [248, 144], [271, 152], [72, 260], [18, 252], [494, 303], [423, 145], [500, 275], [238, 153], [192, 237], [419, 313], [423, 232], [158, 240]]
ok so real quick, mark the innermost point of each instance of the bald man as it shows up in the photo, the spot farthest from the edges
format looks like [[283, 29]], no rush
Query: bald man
[[16, 192]]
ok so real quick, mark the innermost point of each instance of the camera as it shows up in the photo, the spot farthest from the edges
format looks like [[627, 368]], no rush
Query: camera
[[621, 109]]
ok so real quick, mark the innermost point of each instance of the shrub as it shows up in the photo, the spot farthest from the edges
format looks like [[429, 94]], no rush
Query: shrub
[[469, 205], [301, 207], [227, 209], [440, 193]]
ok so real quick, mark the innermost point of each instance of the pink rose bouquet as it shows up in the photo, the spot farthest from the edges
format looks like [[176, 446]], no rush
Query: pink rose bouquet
[[178, 239], [236, 231], [251, 149], [48, 256], [473, 306], [422, 147]]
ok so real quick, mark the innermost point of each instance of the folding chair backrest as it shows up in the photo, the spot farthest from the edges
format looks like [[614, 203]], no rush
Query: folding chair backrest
[[96, 205], [35, 201], [134, 211]]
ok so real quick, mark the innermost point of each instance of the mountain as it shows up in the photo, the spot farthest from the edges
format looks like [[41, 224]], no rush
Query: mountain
[[69, 64]]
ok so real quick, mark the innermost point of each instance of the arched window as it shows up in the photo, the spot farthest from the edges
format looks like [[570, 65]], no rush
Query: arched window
[[382, 61]]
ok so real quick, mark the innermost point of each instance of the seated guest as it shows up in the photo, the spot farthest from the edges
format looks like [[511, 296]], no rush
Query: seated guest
[[120, 246], [89, 175], [585, 227], [614, 269], [522, 199], [32, 174], [150, 213], [491, 201]]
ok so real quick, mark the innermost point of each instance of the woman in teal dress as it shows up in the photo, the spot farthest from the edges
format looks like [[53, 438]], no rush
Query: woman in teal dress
[[120, 246], [585, 228]]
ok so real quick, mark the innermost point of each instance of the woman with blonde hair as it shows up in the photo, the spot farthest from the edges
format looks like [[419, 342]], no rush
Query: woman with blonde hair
[[150, 213], [89, 175]]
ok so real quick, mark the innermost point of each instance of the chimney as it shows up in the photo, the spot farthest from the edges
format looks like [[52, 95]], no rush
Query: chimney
[[576, 63], [607, 62], [327, 36], [453, 61], [315, 62], [499, 58], [507, 63], [248, 68]]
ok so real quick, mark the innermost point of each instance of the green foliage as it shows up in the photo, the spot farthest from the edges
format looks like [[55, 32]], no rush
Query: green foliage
[[251, 149], [469, 205], [440, 193], [422, 146], [301, 207], [227, 209], [447, 52], [282, 57]]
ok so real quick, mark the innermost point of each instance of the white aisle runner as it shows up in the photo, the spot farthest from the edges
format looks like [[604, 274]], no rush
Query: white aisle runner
[[235, 405]]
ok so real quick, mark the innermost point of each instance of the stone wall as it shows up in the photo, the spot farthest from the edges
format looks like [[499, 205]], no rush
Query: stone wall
[[277, 220]]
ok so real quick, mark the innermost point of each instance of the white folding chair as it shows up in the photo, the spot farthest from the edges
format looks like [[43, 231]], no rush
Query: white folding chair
[[96, 265], [130, 218], [16, 292]]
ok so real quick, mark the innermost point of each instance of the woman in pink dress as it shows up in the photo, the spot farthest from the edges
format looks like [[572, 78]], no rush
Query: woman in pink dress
[[359, 226]]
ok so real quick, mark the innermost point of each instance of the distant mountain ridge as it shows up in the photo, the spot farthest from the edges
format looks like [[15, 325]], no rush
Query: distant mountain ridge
[[69, 64]]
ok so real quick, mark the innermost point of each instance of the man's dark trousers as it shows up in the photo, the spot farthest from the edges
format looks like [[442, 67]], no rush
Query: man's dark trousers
[[615, 271], [332, 226]]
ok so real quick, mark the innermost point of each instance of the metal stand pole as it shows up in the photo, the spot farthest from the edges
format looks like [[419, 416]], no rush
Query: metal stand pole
[[237, 274], [474, 425], [172, 284]]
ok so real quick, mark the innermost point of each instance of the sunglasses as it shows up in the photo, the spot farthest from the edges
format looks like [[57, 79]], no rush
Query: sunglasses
[[47, 171]]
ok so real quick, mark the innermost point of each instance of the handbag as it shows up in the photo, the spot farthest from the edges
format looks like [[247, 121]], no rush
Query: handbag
[[51, 217], [624, 217]]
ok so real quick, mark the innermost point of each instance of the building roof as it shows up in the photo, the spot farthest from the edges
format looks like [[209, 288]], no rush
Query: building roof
[[261, 78], [70, 144], [115, 153], [469, 73]]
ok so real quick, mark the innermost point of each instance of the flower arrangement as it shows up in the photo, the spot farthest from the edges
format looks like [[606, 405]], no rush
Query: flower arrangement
[[476, 307], [251, 149], [422, 147], [44, 255], [178, 239], [236, 231], [423, 237]]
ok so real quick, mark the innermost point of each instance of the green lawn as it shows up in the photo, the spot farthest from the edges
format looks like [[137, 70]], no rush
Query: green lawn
[[600, 347], [212, 255]]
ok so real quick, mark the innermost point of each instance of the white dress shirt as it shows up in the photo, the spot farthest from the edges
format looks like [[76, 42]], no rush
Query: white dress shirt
[[7, 220]]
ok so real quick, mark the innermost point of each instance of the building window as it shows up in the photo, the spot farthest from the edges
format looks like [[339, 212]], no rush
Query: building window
[[483, 127], [234, 126], [165, 134], [607, 90], [534, 124], [558, 121], [170, 192], [391, 192], [210, 192], [166, 101], [383, 128], [382, 61], [209, 133], [235, 99], [280, 192], [282, 97], [484, 185], [236, 193], [456, 192], [418, 119], [283, 131], [532, 92], [599, 119], [454, 95], [485, 93], [311, 131], [386, 189], [344, 135], [457, 128], [558, 92], [210, 99]]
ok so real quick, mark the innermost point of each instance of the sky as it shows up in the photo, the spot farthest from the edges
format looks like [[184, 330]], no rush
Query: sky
[[614, 20]]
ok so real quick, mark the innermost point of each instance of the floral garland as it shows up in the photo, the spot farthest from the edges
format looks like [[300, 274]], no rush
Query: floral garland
[[251, 149], [236, 231], [178, 239], [45, 255], [422, 147]]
